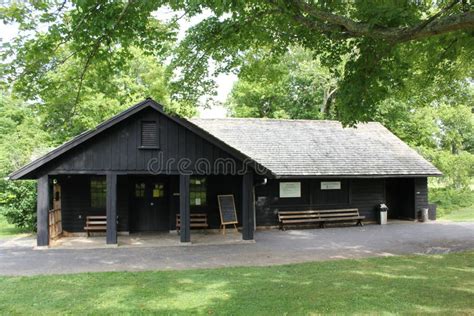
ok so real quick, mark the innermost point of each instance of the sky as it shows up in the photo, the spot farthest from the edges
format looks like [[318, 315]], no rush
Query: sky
[[224, 82]]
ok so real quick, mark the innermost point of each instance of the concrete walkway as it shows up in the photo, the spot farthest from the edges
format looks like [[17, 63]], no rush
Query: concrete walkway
[[17, 256], [151, 240]]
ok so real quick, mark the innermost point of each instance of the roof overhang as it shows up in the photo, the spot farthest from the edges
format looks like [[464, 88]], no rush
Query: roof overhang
[[357, 176]]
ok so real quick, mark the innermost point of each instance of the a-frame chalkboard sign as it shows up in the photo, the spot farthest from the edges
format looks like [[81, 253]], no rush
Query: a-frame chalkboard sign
[[227, 210]]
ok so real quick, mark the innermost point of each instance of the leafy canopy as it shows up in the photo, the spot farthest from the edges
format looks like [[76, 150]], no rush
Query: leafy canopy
[[386, 45]]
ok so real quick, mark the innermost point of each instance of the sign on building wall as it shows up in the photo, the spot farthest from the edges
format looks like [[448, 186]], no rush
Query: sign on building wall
[[290, 189], [330, 185]]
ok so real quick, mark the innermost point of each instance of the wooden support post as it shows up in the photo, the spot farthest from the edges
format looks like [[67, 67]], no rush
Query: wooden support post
[[247, 207], [184, 211], [111, 206], [42, 236]]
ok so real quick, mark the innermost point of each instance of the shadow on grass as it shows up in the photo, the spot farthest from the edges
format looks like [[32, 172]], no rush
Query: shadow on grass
[[415, 284], [9, 230]]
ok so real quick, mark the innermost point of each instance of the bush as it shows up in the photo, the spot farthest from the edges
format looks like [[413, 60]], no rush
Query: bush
[[458, 170], [449, 199], [18, 203]]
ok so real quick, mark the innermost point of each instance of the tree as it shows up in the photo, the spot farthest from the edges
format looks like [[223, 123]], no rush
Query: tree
[[102, 96], [388, 45], [21, 139], [293, 86]]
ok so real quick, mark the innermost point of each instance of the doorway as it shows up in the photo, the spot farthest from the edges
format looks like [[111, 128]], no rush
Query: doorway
[[400, 198], [149, 210]]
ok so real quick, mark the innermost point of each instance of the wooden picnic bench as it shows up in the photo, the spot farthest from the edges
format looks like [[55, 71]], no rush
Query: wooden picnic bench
[[196, 220], [319, 216], [95, 223]]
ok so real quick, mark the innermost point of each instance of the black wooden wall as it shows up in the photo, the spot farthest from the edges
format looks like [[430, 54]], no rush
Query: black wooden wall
[[76, 202], [364, 194], [118, 149], [421, 194], [216, 185]]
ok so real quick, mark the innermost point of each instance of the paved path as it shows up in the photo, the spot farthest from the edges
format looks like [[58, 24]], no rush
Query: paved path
[[272, 247]]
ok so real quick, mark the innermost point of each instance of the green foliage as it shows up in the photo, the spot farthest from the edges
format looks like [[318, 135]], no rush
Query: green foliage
[[63, 115], [450, 200], [294, 86], [458, 169], [21, 139], [18, 203], [21, 136], [388, 46]]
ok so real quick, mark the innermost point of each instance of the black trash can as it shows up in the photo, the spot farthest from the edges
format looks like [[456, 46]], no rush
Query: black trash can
[[432, 211]]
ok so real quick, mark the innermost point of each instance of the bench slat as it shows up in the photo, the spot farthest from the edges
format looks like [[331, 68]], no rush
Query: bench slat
[[319, 216], [300, 216], [96, 228], [195, 219], [340, 211], [303, 220], [95, 223], [297, 212], [339, 214]]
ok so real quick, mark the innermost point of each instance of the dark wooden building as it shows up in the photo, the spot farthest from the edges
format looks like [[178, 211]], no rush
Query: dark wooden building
[[143, 166]]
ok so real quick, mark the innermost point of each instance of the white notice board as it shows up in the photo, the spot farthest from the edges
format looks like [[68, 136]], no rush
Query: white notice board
[[330, 185], [290, 189]]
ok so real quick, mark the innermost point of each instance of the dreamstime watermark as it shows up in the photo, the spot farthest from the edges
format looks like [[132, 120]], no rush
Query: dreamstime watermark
[[203, 166]]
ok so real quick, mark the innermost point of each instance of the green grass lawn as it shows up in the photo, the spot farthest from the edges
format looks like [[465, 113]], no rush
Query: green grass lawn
[[9, 230], [409, 284], [465, 214]]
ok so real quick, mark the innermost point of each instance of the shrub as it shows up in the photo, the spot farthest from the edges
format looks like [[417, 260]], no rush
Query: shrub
[[450, 199], [18, 203]]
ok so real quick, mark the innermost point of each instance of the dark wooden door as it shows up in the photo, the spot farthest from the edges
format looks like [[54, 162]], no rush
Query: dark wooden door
[[400, 194], [149, 210]]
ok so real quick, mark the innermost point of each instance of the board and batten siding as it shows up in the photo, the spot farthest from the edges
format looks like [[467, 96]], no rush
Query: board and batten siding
[[118, 148], [421, 194], [364, 194]]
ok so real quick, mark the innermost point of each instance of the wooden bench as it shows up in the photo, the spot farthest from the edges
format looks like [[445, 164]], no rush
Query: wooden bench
[[95, 223], [197, 220], [319, 216]]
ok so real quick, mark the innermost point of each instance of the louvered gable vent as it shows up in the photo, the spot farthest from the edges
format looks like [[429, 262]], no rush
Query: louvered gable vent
[[149, 134]]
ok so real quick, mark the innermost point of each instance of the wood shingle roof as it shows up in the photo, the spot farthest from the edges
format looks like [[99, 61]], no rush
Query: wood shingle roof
[[290, 148]]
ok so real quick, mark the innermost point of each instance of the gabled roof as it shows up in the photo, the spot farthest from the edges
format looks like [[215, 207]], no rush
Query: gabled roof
[[26, 171], [286, 148], [295, 148]]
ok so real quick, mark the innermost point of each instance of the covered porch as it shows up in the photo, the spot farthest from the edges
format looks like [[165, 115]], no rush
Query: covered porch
[[140, 209]]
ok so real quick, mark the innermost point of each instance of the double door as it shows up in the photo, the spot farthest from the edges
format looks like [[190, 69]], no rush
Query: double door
[[149, 209]]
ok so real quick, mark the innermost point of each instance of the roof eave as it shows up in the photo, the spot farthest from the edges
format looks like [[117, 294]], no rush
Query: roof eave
[[354, 176]]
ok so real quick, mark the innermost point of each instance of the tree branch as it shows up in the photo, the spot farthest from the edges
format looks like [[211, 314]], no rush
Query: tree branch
[[327, 22], [93, 52]]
